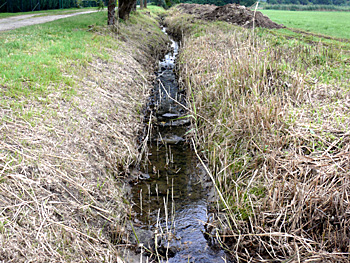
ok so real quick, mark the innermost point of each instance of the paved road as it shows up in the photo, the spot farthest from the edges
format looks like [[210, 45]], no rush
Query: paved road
[[32, 19]]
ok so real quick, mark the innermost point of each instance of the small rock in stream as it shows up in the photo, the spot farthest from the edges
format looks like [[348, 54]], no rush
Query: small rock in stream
[[171, 139], [176, 123], [144, 237], [170, 115]]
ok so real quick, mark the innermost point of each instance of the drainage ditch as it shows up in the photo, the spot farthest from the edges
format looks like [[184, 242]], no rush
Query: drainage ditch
[[171, 198]]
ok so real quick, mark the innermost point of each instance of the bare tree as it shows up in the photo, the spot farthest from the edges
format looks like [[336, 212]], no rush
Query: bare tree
[[111, 12], [125, 7]]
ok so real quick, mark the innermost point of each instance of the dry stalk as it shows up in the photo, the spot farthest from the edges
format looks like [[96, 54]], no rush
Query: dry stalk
[[276, 139], [61, 200]]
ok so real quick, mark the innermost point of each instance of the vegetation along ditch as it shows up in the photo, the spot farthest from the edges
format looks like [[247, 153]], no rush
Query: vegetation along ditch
[[171, 199], [271, 112], [246, 150], [72, 93]]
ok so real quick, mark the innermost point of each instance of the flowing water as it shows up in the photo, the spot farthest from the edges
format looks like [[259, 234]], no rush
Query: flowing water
[[172, 199]]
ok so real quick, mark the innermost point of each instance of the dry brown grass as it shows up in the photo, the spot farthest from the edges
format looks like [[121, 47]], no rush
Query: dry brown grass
[[276, 137], [61, 157]]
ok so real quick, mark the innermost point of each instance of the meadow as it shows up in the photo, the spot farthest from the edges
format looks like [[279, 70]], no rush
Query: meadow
[[335, 24]]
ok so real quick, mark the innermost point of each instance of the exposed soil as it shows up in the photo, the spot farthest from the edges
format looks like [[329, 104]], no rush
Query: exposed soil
[[27, 20], [232, 13]]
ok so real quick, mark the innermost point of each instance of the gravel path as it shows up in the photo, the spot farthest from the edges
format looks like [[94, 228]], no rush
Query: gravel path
[[27, 20]]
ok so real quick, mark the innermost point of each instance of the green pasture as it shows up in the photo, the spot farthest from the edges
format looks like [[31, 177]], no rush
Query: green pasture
[[35, 57], [335, 24]]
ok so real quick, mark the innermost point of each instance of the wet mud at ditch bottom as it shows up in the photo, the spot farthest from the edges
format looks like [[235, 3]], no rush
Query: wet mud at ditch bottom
[[171, 200]]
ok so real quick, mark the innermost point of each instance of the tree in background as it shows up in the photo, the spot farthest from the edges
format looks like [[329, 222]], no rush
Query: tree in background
[[160, 3], [169, 3], [143, 3], [251, 2], [124, 8], [111, 12]]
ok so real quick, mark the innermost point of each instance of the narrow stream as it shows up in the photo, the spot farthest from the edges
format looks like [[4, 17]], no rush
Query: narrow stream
[[172, 201]]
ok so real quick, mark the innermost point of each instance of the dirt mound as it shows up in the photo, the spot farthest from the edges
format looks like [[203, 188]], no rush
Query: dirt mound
[[196, 9], [232, 13]]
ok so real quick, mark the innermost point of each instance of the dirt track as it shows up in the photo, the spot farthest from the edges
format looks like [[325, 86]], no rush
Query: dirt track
[[32, 19]]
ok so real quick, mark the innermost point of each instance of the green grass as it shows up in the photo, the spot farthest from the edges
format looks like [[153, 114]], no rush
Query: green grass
[[156, 9], [336, 24], [48, 12], [313, 7], [35, 57]]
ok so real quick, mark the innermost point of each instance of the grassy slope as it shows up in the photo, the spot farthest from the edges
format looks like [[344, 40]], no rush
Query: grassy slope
[[38, 55], [336, 24], [71, 93], [272, 120]]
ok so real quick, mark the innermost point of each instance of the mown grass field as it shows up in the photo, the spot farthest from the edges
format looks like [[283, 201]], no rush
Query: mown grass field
[[335, 24], [34, 58]]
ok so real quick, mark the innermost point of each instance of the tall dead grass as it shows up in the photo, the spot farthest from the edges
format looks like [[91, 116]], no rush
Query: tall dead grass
[[276, 137], [61, 158]]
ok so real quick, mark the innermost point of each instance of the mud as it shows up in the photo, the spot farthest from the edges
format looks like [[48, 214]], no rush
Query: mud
[[231, 13]]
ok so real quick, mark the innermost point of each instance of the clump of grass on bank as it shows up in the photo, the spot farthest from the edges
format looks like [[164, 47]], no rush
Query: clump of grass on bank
[[71, 94], [272, 121]]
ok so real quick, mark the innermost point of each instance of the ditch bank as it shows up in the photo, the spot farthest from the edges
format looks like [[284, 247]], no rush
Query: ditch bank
[[282, 169], [171, 196], [65, 152]]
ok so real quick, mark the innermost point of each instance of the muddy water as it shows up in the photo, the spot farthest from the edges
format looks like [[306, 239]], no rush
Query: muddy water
[[172, 199]]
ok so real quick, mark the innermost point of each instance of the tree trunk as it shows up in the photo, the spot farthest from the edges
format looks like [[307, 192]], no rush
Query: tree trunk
[[145, 3], [141, 4], [134, 7], [125, 7], [111, 12]]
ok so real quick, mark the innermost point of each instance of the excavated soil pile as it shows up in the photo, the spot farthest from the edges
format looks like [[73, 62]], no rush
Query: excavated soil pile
[[232, 13]]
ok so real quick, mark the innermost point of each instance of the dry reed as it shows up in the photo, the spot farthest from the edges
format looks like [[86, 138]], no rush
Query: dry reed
[[276, 137], [61, 157]]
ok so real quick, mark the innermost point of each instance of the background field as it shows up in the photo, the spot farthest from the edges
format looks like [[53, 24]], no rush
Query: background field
[[336, 24]]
